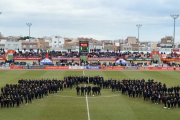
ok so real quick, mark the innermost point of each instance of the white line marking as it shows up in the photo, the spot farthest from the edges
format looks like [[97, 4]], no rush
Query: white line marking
[[89, 96], [87, 107], [87, 102]]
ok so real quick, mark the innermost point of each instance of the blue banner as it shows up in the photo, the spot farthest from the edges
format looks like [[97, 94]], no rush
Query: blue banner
[[93, 67]]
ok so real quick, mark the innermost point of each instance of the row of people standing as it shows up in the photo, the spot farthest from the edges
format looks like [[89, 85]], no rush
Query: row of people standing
[[88, 90], [28, 90], [156, 92]]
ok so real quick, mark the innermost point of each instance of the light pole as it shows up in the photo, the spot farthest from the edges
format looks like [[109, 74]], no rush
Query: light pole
[[138, 25], [174, 17], [29, 24]]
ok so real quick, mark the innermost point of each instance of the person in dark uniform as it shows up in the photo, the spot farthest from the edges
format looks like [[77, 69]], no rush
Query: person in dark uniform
[[145, 95], [169, 104], [21, 98], [78, 89], [137, 92], [14, 102], [39, 93], [165, 100], [26, 99], [89, 90], [18, 100], [29, 97], [133, 92], [175, 102], [2, 101], [61, 87], [36, 95], [93, 90], [172, 103], [99, 90], [156, 98], [86, 90], [178, 102], [140, 92], [113, 87], [10, 102], [5, 101], [82, 91], [130, 92]]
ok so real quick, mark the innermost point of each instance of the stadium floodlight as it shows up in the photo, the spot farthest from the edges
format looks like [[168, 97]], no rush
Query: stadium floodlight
[[138, 25], [174, 17], [29, 24]]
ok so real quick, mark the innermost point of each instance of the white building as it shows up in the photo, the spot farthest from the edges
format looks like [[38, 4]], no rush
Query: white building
[[57, 42], [2, 43], [14, 45]]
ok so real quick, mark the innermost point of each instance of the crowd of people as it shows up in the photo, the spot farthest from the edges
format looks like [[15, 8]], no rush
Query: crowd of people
[[171, 55], [2, 52], [63, 54], [28, 90], [138, 55], [156, 92], [39, 53]]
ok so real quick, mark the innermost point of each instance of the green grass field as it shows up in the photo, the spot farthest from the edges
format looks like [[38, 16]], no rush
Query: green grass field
[[109, 106]]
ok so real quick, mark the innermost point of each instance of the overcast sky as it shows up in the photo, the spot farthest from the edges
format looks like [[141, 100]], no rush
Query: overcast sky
[[99, 19]]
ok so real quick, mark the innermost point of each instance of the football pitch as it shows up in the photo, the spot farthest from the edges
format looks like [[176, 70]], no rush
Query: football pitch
[[66, 105]]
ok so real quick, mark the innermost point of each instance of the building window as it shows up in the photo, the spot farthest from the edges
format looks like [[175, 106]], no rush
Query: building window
[[24, 46], [15, 45], [54, 41]]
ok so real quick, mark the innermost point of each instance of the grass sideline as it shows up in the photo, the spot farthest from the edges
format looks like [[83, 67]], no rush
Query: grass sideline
[[109, 106]]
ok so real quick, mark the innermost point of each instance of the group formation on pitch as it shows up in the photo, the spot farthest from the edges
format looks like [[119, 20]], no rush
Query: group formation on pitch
[[28, 90]]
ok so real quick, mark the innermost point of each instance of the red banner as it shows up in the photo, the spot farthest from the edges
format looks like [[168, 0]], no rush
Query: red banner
[[10, 51], [143, 68], [109, 68], [76, 59], [152, 68], [102, 59], [16, 67], [175, 50], [173, 59], [118, 68], [113, 68], [162, 68], [57, 67], [2, 58], [27, 58], [155, 52]]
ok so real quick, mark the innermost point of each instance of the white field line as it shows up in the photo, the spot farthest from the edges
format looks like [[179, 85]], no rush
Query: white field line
[[87, 103], [110, 96], [87, 107]]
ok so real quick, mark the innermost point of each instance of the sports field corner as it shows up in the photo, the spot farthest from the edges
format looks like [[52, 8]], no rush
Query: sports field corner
[[66, 105]]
